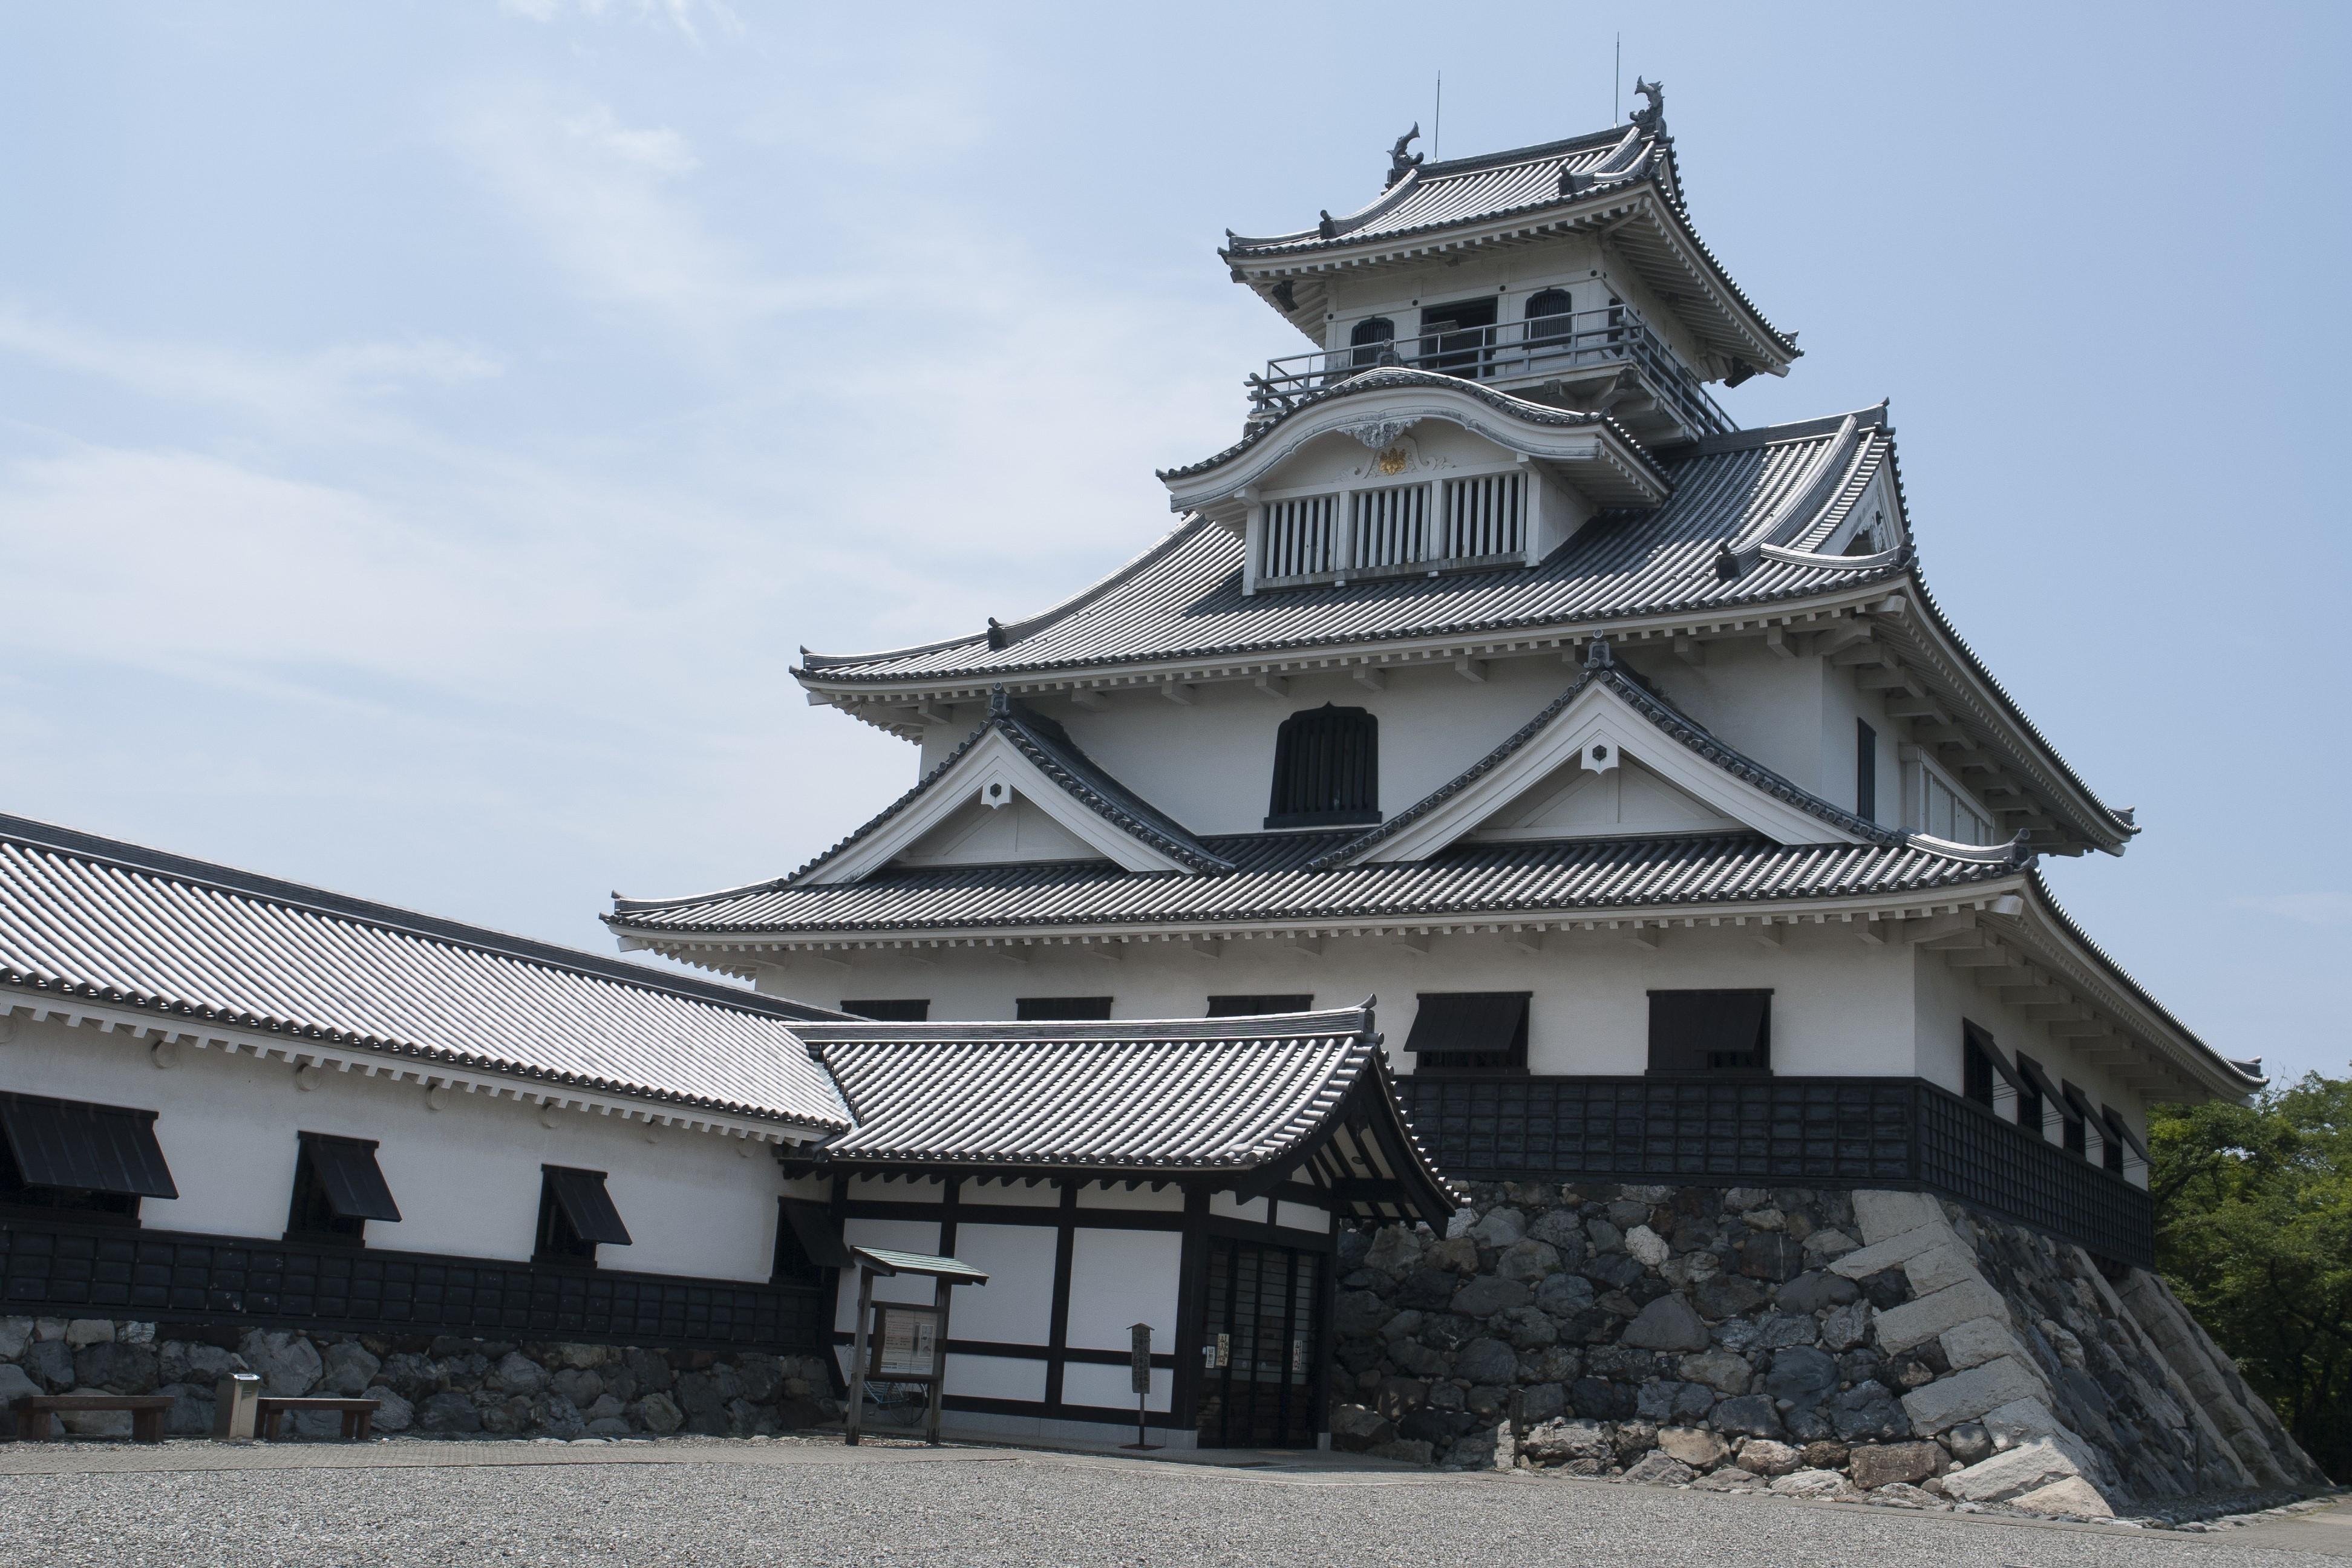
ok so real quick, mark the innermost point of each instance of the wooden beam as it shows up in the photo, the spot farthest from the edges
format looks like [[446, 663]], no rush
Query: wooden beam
[[1691, 651], [1371, 678], [1778, 641], [1087, 698], [1273, 684], [1176, 691], [1471, 669]]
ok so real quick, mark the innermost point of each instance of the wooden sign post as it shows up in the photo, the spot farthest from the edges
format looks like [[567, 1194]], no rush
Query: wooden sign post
[[897, 1342], [1139, 1378]]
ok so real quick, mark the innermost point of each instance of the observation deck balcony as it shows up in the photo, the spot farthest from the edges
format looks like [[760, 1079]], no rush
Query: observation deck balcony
[[1606, 360]]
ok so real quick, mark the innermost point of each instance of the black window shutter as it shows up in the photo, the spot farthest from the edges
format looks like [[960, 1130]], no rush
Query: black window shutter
[[808, 1239], [1254, 1007], [1471, 1030], [891, 1010], [92, 1148], [1866, 771], [1711, 1031], [1327, 769], [586, 1207], [349, 1178], [1060, 1009]]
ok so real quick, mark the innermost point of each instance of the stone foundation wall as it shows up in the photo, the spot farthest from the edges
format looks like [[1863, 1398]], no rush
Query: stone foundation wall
[[441, 1386], [1820, 1342]]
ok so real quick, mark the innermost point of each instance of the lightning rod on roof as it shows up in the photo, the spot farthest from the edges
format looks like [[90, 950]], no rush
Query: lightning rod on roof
[[1437, 122], [1617, 84]]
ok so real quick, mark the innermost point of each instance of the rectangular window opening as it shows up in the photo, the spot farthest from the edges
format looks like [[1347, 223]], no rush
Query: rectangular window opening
[[1718, 1031], [1060, 1009], [338, 1188], [891, 1009], [1470, 1031], [575, 1216], [94, 1161], [808, 1242], [1254, 1007]]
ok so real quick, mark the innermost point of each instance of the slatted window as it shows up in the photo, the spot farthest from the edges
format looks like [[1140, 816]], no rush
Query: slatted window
[[1369, 339], [338, 1188], [1327, 769], [575, 1216], [2029, 1094], [1390, 526], [1470, 1031], [1260, 1006], [1866, 771], [1059, 1009], [95, 1160], [1302, 537], [1482, 516], [891, 1010]]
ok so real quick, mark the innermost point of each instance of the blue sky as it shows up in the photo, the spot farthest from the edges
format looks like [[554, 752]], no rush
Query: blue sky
[[427, 430]]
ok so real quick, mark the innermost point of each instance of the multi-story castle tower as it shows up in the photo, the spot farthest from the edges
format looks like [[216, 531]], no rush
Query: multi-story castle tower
[[1621, 752]]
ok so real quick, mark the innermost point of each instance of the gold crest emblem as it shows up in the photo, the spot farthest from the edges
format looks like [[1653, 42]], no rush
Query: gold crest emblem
[[1394, 459]]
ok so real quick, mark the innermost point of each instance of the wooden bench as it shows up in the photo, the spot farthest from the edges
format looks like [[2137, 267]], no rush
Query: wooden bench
[[359, 1415], [35, 1410]]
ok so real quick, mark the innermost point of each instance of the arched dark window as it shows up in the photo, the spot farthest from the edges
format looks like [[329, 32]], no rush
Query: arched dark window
[[1548, 316], [1327, 769], [1369, 339]]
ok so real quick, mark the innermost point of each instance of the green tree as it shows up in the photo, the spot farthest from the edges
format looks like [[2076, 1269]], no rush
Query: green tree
[[2254, 1232]]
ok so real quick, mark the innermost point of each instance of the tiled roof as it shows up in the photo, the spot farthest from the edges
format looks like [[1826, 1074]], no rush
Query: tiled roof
[[1179, 1093], [1167, 1097], [1183, 598], [82, 917], [1606, 167], [1274, 883]]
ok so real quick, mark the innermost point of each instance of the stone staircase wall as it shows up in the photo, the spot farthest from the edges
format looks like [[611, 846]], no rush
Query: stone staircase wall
[[1815, 1341]]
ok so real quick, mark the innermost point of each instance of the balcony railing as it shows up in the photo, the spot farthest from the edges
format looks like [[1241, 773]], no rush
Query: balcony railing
[[1901, 1133], [69, 1271], [1545, 346]]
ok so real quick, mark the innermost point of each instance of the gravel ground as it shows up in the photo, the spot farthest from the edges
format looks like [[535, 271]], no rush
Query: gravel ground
[[780, 1504]]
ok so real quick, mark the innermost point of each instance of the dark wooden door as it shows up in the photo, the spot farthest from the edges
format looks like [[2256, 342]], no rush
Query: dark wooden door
[[1265, 1341]]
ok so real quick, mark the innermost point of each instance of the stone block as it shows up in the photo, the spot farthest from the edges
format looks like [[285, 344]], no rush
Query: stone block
[[1938, 1266], [1695, 1446], [2074, 1495], [288, 1363], [1893, 1252], [1968, 1442], [1527, 1260], [1579, 1446], [1830, 1243], [1813, 1484], [394, 1414], [1718, 1369], [1647, 1247], [1825, 1455], [2014, 1472], [1884, 1214], [1847, 1326], [1770, 1255], [1500, 1228], [1814, 1290], [1395, 1250], [1978, 1340], [1778, 1331], [657, 1413], [1485, 1296], [48, 1362], [1751, 1416], [1726, 1295], [349, 1368], [517, 1373], [1492, 1361], [1885, 1464], [1560, 1227], [1902, 1494], [16, 1385], [16, 1334], [1867, 1413], [1358, 1314], [80, 1331], [116, 1367], [1900, 1328], [1967, 1395], [1355, 1429], [2020, 1421], [1801, 1376], [1657, 1469], [1668, 1323], [1538, 1403], [1764, 1457]]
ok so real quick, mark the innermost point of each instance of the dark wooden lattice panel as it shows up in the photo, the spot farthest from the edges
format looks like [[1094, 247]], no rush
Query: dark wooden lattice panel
[[136, 1274], [1819, 1131]]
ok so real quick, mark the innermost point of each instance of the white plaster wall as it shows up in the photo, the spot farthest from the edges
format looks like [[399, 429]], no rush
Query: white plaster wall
[[991, 1376], [1016, 1306], [1013, 1195], [1085, 1383], [1758, 702], [1115, 1195], [1949, 996], [1303, 1217], [897, 1235], [467, 1178], [1224, 1206], [1120, 1278], [1841, 1005]]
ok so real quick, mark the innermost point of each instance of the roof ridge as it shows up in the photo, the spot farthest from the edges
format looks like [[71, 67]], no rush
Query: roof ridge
[[124, 855], [1237, 1030]]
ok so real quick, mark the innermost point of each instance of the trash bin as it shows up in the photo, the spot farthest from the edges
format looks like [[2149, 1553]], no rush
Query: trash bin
[[236, 1404]]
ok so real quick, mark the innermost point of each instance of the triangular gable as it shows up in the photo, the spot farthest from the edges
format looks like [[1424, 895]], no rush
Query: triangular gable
[[1577, 802], [1602, 721], [979, 833], [1017, 760]]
